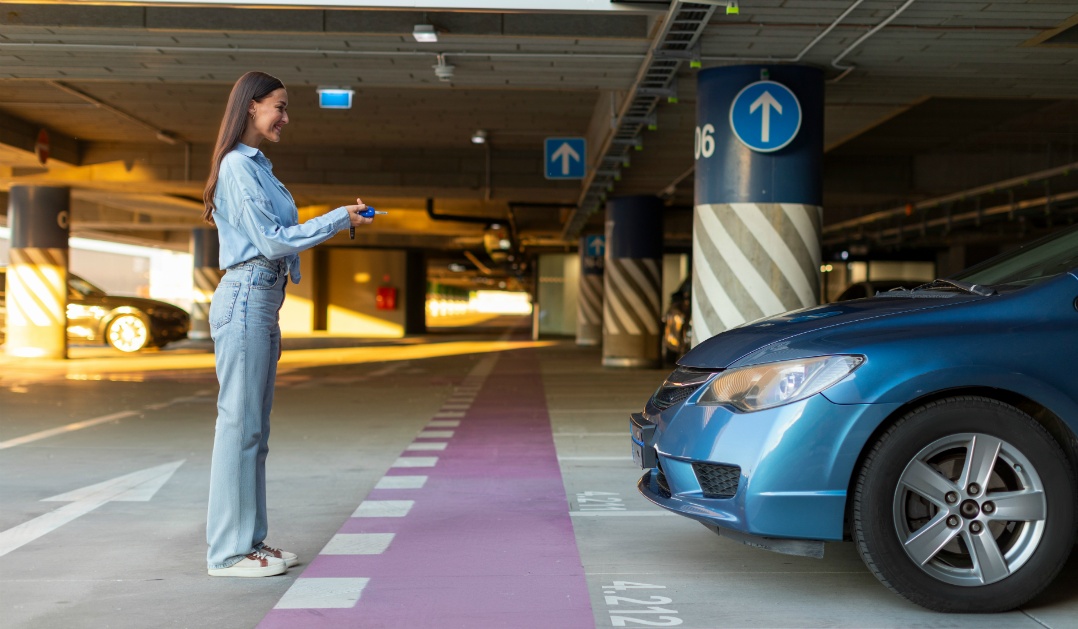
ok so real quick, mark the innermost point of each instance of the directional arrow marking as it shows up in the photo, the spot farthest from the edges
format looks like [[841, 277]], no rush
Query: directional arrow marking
[[136, 487], [565, 153], [767, 101]]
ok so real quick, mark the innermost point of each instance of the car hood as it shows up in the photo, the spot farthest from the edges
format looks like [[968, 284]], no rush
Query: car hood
[[743, 345], [118, 301]]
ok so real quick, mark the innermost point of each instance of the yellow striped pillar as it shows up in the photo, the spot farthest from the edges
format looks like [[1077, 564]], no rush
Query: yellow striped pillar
[[632, 281], [36, 298], [205, 258]]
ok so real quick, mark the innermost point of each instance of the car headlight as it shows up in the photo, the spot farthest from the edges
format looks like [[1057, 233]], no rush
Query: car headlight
[[774, 384]]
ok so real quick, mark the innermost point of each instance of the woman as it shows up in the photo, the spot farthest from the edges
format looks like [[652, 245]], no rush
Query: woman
[[257, 224]]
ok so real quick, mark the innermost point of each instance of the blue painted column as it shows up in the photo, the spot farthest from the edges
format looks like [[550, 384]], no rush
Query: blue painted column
[[205, 260], [589, 303], [36, 298], [632, 281], [758, 208]]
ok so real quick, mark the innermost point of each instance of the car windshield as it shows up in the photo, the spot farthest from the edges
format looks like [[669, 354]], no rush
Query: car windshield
[[1036, 262], [84, 288]]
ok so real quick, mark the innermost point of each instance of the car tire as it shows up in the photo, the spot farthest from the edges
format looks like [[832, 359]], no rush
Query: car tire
[[128, 332], [920, 505]]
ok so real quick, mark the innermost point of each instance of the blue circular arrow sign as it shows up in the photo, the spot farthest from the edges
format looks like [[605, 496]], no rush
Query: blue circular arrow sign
[[765, 116]]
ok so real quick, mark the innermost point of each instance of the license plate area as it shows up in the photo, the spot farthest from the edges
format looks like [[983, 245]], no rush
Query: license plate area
[[642, 433]]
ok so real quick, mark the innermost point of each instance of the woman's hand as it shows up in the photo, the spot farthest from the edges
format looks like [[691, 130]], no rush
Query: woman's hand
[[354, 211]]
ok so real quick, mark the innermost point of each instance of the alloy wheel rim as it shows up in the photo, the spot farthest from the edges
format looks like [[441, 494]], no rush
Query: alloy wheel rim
[[128, 333], [969, 509]]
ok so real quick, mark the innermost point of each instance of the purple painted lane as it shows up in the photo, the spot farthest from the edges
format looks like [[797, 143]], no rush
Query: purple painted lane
[[488, 542]]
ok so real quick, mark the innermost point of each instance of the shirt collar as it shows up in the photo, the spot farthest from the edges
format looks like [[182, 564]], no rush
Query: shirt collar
[[249, 151]]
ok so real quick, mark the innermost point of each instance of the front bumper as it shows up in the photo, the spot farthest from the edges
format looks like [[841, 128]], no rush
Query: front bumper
[[794, 464]]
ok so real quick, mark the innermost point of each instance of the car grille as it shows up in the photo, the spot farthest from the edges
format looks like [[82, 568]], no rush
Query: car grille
[[717, 481], [679, 386]]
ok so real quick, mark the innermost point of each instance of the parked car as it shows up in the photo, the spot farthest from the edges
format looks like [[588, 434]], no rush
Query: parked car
[[937, 428], [129, 324], [677, 322], [869, 288]]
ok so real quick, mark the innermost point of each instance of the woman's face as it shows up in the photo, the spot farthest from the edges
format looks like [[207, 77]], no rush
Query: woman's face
[[269, 115]]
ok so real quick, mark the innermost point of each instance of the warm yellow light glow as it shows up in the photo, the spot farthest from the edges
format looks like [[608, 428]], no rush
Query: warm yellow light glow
[[342, 320], [362, 278], [501, 302]]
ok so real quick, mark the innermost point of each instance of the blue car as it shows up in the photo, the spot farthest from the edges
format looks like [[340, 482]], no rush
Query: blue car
[[937, 428]]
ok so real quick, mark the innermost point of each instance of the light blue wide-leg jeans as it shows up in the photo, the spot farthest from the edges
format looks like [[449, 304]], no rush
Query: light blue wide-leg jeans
[[246, 332]]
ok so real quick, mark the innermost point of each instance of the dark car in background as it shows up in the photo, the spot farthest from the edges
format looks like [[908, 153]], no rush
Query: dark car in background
[[936, 428], [128, 324]]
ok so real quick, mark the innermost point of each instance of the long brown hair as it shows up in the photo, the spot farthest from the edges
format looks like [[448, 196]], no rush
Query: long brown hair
[[251, 86]]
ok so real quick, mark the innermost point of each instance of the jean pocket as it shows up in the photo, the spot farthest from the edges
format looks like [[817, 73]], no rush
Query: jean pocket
[[264, 278], [223, 303]]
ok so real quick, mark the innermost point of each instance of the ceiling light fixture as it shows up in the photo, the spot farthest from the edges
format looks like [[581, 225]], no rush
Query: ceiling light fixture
[[425, 33], [479, 137], [443, 71]]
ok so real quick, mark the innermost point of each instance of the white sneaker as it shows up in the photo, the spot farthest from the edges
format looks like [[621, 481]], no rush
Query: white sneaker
[[290, 559], [256, 564]]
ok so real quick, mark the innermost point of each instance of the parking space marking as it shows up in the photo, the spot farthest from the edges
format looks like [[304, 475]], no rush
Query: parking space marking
[[383, 508], [435, 434], [415, 461], [426, 445], [443, 423], [401, 482], [449, 414], [323, 593], [358, 544], [456, 407], [596, 458]]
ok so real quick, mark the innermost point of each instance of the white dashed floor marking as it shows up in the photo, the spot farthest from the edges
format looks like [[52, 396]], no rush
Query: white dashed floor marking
[[415, 461], [443, 423], [426, 446], [383, 509], [323, 593], [401, 482], [437, 434], [358, 544], [449, 414]]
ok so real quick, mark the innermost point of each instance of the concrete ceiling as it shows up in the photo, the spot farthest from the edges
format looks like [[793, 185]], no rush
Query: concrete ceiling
[[947, 96]]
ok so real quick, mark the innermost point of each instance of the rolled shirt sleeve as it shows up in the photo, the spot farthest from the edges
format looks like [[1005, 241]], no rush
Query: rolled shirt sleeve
[[275, 241]]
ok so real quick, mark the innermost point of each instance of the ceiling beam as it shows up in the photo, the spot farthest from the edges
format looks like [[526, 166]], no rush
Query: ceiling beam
[[23, 134]]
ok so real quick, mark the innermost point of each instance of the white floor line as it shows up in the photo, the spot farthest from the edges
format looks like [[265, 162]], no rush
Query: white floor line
[[401, 482], [596, 458], [323, 593], [444, 423], [428, 446], [358, 544], [435, 434], [383, 508], [52, 432], [449, 414], [415, 461], [624, 433]]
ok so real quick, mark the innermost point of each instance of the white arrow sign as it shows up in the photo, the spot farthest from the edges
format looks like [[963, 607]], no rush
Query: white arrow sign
[[767, 101], [139, 486], [565, 153]]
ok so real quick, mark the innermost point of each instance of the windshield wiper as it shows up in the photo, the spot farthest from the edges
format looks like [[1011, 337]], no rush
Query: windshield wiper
[[975, 289]]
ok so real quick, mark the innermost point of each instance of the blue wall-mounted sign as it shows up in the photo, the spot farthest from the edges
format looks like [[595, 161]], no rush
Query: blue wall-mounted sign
[[565, 158], [765, 116]]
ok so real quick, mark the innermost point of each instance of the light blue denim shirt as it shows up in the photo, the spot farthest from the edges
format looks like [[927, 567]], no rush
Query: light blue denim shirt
[[256, 214]]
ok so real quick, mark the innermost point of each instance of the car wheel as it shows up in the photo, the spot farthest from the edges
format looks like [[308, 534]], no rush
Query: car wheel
[[128, 332], [965, 505]]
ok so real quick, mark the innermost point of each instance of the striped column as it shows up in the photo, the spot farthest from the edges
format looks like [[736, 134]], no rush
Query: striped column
[[632, 281], [205, 258], [589, 327], [36, 297], [758, 211]]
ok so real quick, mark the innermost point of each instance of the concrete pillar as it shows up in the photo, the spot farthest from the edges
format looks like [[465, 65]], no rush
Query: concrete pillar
[[632, 280], [36, 299], [589, 328], [205, 263], [756, 223]]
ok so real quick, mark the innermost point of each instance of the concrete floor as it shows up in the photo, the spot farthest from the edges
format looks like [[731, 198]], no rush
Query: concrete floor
[[346, 410]]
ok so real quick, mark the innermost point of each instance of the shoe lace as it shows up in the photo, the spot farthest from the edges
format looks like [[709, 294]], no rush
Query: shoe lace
[[258, 554], [268, 549]]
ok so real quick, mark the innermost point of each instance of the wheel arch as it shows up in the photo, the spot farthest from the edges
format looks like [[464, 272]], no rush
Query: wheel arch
[[1060, 432]]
